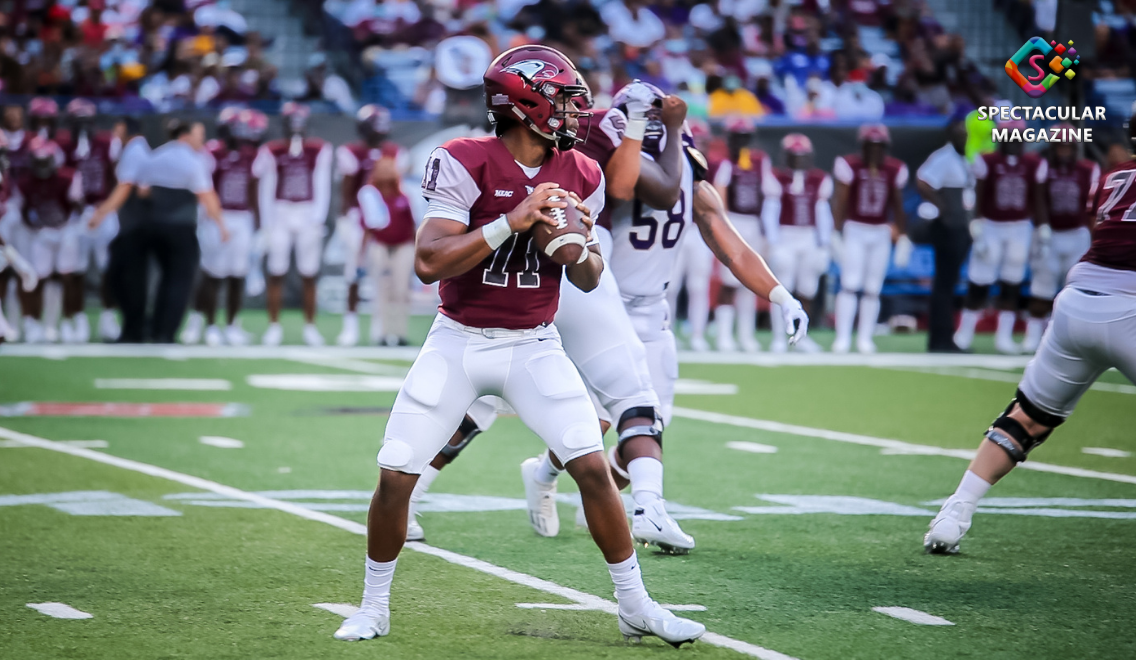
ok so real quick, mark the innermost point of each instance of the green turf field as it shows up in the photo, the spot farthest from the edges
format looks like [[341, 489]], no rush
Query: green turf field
[[800, 531]]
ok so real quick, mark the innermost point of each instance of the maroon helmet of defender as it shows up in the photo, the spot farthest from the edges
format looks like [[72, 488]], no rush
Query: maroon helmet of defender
[[523, 85]]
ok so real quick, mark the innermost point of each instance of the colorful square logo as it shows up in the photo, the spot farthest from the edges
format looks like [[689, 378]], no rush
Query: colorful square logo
[[1025, 67]]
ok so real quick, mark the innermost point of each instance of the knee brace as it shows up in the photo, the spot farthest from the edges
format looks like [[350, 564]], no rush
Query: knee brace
[[976, 295], [468, 431], [1005, 430], [654, 431], [1009, 294]]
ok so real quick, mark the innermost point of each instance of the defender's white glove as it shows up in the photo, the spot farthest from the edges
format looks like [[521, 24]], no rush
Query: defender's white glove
[[977, 234], [640, 98], [903, 250], [796, 320], [28, 278]]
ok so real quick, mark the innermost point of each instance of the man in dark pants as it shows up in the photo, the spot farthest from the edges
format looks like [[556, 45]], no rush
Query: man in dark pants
[[160, 191], [946, 182]]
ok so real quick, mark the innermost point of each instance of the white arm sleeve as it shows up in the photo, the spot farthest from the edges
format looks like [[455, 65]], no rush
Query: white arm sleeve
[[115, 149], [595, 203], [931, 171], [1094, 181], [613, 124], [321, 185], [771, 218], [770, 186], [376, 215], [724, 174], [842, 171], [1042, 172], [75, 192], [346, 164], [449, 187], [979, 168], [901, 178], [824, 221], [264, 169]]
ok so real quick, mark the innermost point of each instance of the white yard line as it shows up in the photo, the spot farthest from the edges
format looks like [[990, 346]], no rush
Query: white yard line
[[1106, 452], [893, 446], [342, 609], [221, 442], [162, 384], [1001, 376], [914, 616], [579, 597], [60, 611], [752, 447], [577, 606]]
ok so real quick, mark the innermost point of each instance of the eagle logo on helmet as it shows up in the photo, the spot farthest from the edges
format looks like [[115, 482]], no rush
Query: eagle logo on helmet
[[532, 69]]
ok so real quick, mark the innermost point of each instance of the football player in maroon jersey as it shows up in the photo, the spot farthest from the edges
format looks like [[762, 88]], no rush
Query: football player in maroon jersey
[[294, 192], [1010, 196], [798, 229], [867, 209], [11, 262], [1093, 330], [1069, 192], [494, 332]]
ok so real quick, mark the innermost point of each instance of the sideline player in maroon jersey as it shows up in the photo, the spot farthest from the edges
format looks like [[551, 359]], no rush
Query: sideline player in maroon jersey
[[798, 229], [11, 261], [1069, 188], [1093, 330], [93, 154], [494, 332], [869, 188], [294, 192], [1011, 201], [354, 162]]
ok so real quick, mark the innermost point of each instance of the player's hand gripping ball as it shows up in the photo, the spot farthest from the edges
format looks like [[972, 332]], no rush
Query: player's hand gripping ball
[[564, 242]]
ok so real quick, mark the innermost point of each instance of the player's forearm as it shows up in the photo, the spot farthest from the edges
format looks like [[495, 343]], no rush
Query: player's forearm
[[930, 194], [660, 181], [839, 205], [1041, 208], [728, 245], [117, 198], [439, 257], [898, 216], [622, 171], [254, 201], [586, 274]]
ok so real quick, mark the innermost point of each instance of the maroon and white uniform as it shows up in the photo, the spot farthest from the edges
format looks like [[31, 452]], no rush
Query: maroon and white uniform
[[94, 158], [232, 172], [53, 235], [798, 228], [355, 162], [1094, 316], [746, 182], [866, 233], [494, 335], [1069, 191], [389, 248], [294, 195], [1005, 209]]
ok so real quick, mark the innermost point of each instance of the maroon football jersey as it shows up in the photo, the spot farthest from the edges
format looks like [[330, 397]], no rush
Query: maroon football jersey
[[516, 286], [295, 174], [232, 174], [367, 157], [798, 208], [870, 193], [599, 147], [743, 192], [1006, 192], [1070, 189], [401, 227], [96, 166], [1114, 236], [46, 202]]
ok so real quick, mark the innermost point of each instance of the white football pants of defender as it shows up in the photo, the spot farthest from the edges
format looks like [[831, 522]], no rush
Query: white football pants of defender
[[1049, 270], [650, 316], [693, 266], [222, 259], [99, 239], [459, 364], [1088, 335], [745, 301], [294, 225], [798, 261], [391, 267], [867, 250]]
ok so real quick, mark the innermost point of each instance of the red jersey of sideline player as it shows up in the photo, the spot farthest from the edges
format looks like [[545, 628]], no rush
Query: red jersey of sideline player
[[476, 180], [93, 157], [232, 174], [356, 161], [870, 192], [798, 204], [1071, 188], [1114, 236], [1009, 180]]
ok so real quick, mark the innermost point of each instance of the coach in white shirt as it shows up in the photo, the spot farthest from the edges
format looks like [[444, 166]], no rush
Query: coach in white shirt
[[946, 182]]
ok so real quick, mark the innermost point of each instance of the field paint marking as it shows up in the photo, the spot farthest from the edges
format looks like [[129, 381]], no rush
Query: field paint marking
[[752, 447], [914, 616], [342, 609], [326, 382], [221, 442], [884, 443], [356, 528], [89, 444], [216, 384], [1106, 452], [60, 611], [90, 503], [1004, 377], [577, 606], [352, 364]]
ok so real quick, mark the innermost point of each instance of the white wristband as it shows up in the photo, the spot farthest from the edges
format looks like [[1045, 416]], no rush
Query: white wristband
[[635, 130], [497, 232], [780, 295]]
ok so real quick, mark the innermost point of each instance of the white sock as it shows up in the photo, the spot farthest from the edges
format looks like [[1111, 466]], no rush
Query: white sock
[[350, 319], [869, 316], [429, 474], [724, 315], [546, 472], [972, 488], [697, 305], [968, 321], [845, 315], [646, 480], [1005, 330], [377, 587], [746, 304], [629, 589]]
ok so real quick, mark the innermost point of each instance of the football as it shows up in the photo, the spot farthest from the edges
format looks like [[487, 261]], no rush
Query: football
[[564, 243]]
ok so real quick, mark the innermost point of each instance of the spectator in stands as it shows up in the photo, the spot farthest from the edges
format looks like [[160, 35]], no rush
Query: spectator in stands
[[326, 86], [632, 23], [763, 73], [906, 103], [855, 101], [801, 64], [732, 100]]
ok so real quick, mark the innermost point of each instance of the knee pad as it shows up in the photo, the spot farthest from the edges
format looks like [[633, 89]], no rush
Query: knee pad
[[1005, 430], [1009, 294], [468, 430], [654, 431], [976, 295]]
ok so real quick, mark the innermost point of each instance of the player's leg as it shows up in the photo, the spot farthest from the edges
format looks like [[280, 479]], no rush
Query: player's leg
[[432, 400], [812, 265], [699, 266], [214, 267], [982, 272], [745, 301], [237, 250], [725, 312], [7, 333], [550, 398], [876, 264], [397, 315], [351, 235], [1088, 335], [41, 254], [1044, 268], [784, 257], [109, 329], [309, 248], [1012, 271], [73, 261], [852, 272], [279, 240]]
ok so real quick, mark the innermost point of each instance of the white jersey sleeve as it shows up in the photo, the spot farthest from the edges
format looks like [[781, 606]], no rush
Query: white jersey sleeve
[[1094, 182], [979, 168], [1042, 173], [842, 171], [75, 192], [376, 215], [613, 124], [321, 184], [901, 177], [824, 221], [448, 187], [724, 174], [346, 164], [264, 169]]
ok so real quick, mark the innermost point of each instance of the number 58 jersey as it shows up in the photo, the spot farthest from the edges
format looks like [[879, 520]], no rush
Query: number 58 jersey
[[474, 181]]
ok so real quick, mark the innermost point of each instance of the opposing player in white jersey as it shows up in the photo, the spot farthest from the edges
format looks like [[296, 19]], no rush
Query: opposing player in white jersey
[[1093, 330]]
